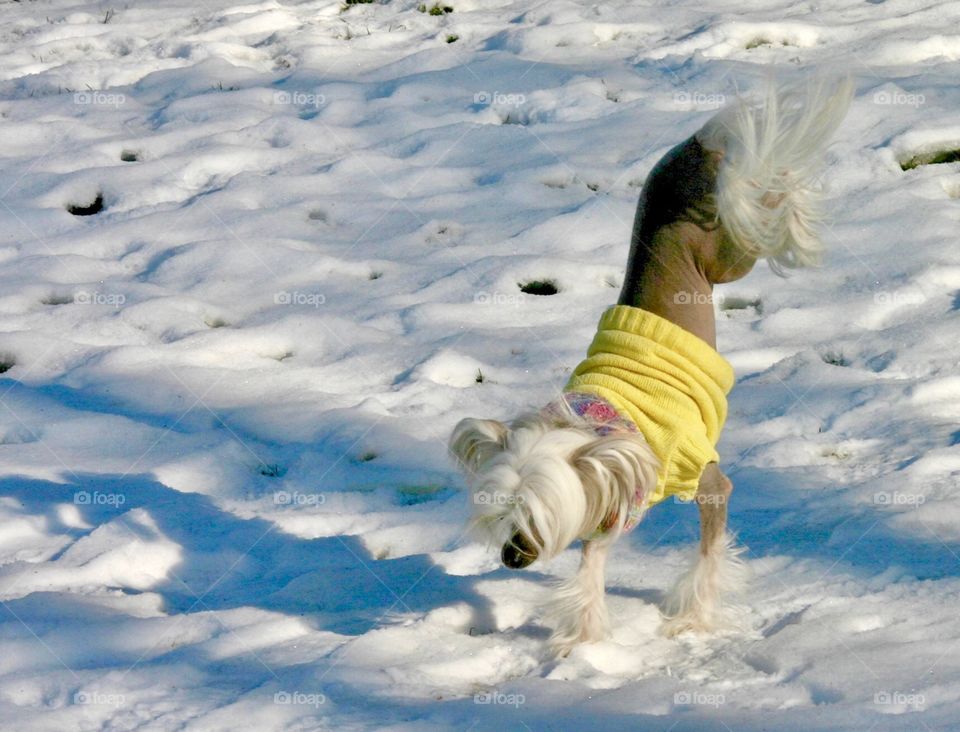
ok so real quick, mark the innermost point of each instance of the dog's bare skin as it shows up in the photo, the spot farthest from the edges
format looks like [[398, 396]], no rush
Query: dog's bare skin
[[676, 257], [677, 251], [713, 495]]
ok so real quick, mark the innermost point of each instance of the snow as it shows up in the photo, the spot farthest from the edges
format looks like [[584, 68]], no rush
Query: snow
[[224, 496]]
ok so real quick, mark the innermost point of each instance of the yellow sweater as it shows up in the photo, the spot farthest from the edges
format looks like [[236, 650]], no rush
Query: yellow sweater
[[668, 382]]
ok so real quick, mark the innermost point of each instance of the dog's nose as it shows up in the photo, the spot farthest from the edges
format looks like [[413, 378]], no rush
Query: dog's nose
[[517, 553]]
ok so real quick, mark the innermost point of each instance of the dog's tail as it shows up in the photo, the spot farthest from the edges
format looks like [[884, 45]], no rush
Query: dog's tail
[[767, 192]]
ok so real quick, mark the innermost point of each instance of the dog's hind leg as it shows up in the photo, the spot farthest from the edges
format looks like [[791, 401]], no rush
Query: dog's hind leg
[[579, 607], [696, 602]]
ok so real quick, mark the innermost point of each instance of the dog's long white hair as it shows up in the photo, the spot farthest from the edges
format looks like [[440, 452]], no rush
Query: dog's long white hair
[[552, 484], [538, 486], [768, 194]]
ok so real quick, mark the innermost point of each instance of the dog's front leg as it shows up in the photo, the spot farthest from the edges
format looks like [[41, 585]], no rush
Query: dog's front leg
[[579, 607], [695, 603], [713, 498]]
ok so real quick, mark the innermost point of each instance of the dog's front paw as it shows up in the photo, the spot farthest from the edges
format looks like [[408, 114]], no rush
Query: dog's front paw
[[565, 640], [697, 603], [689, 622], [561, 648], [728, 618], [588, 627]]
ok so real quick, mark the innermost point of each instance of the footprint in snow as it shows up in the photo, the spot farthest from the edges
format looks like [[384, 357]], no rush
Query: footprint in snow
[[738, 307], [940, 156], [542, 287], [87, 209]]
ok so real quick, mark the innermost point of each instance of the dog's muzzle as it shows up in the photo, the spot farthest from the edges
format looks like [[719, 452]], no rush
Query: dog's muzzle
[[518, 553]]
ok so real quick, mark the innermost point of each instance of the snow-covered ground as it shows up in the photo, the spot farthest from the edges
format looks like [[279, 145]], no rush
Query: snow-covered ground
[[225, 502]]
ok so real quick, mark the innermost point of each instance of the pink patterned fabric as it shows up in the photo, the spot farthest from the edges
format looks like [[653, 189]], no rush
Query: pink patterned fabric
[[599, 414], [594, 410]]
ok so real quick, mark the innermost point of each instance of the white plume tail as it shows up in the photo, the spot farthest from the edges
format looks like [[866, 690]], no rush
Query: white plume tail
[[768, 192]]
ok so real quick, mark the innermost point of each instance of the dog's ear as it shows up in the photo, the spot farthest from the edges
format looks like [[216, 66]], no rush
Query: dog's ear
[[614, 466], [474, 441]]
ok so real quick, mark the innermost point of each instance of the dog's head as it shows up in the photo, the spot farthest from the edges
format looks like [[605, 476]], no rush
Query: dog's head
[[536, 487]]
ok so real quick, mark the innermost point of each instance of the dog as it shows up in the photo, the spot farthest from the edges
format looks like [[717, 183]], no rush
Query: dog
[[640, 417]]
